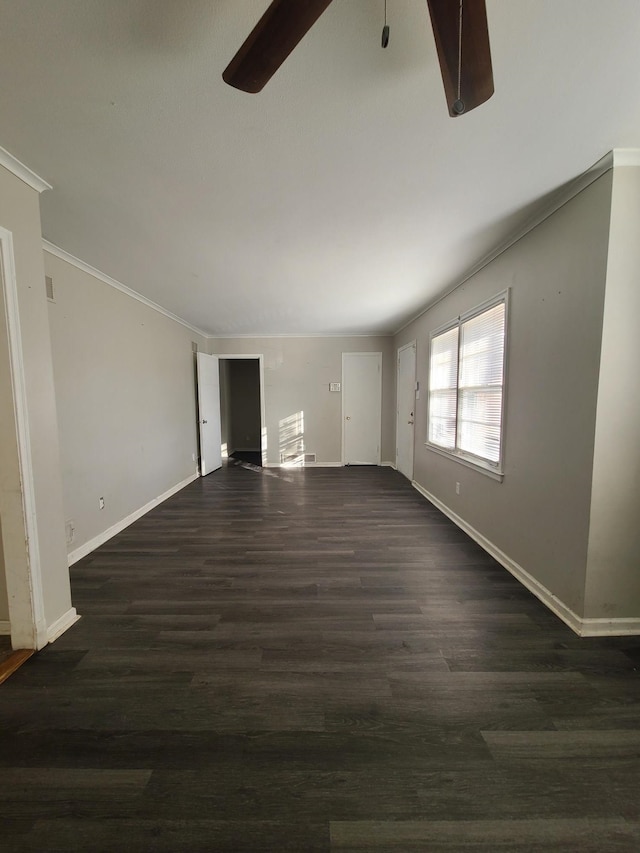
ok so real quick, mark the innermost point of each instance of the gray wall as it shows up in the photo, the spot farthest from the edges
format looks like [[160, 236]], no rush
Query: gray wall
[[126, 399], [539, 515], [613, 574], [297, 376], [20, 214]]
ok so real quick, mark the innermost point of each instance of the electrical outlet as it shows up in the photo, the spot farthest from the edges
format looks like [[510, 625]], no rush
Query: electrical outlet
[[101, 503], [457, 488]]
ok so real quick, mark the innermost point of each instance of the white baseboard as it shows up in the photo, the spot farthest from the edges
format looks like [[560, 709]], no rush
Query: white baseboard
[[307, 465], [62, 624], [582, 627], [116, 528], [532, 584], [5, 628], [324, 465], [610, 627]]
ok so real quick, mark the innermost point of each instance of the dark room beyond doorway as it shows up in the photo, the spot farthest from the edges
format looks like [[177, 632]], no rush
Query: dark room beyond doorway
[[240, 408]]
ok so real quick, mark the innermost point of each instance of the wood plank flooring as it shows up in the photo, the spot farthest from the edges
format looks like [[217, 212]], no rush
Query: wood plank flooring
[[312, 661], [11, 660]]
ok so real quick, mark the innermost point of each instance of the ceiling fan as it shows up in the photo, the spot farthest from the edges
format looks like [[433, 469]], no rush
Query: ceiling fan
[[459, 26]]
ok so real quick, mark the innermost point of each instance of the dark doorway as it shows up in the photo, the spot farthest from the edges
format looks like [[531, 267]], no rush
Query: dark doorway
[[251, 456], [240, 408]]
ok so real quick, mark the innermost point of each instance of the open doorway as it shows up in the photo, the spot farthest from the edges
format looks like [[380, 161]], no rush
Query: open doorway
[[242, 408]]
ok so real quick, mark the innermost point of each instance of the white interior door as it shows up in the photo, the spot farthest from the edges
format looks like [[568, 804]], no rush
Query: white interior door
[[209, 412], [406, 392], [361, 407]]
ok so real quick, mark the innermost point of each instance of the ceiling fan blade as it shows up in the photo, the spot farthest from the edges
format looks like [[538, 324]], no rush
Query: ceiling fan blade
[[273, 38], [462, 40]]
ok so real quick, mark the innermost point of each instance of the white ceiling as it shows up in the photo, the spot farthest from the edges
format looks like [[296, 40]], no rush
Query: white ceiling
[[342, 199]]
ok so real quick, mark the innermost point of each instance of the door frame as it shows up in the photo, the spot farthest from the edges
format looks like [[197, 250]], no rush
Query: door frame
[[380, 361], [412, 344], [27, 619], [263, 410]]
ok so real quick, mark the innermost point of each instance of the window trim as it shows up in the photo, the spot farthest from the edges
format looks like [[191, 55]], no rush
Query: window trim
[[493, 470]]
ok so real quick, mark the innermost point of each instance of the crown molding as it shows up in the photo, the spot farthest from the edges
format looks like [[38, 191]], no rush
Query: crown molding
[[13, 165], [612, 159], [50, 247], [268, 335], [626, 157], [112, 282]]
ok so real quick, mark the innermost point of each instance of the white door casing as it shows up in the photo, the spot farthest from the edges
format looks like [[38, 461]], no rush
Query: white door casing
[[263, 414], [21, 544], [361, 407], [209, 413], [406, 406]]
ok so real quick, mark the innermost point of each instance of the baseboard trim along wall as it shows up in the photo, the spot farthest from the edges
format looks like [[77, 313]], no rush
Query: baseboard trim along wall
[[306, 465], [324, 465], [5, 628], [62, 624], [101, 538], [609, 627], [582, 627]]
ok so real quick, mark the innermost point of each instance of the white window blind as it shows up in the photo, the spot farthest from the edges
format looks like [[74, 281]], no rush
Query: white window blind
[[443, 381], [466, 377]]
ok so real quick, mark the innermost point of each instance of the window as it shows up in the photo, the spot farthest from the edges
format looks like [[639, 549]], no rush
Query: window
[[466, 386]]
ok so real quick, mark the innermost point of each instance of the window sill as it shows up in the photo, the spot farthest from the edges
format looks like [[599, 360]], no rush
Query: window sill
[[468, 461]]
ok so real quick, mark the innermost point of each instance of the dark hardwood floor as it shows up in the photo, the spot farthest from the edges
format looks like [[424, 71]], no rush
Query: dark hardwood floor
[[316, 660]]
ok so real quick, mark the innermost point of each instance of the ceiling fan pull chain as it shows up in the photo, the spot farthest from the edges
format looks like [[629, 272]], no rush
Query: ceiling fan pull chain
[[458, 105], [385, 29]]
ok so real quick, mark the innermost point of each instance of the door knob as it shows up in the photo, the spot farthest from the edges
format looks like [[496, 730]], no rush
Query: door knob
[[204, 422], [347, 418]]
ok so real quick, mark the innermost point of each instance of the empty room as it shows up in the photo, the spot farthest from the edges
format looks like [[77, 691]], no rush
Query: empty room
[[319, 453]]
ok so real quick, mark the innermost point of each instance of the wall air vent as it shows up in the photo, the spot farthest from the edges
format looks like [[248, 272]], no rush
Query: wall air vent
[[297, 459], [48, 282]]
